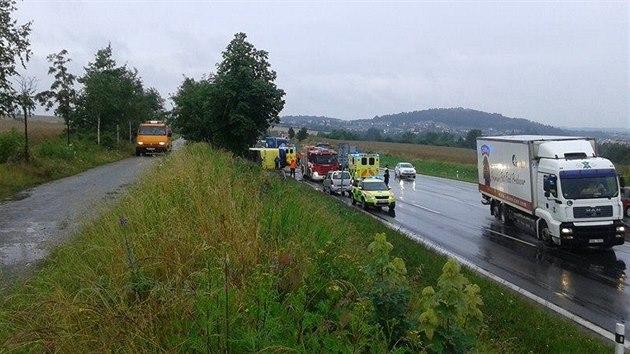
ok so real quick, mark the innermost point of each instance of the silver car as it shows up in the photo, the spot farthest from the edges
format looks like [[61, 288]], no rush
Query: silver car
[[337, 182], [404, 170]]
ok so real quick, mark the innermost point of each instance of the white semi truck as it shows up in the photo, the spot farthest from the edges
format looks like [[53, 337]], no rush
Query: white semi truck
[[554, 186]]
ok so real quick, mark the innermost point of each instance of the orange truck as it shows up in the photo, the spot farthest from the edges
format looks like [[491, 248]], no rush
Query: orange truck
[[153, 137]]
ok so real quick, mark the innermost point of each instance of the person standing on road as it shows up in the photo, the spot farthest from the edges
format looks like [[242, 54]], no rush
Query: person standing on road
[[386, 176], [293, 166]]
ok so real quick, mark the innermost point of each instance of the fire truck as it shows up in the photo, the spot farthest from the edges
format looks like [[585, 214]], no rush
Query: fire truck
[[316, 162]]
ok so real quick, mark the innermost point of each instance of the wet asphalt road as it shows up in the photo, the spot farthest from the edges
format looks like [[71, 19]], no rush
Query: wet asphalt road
[[40, 218], [592, 284]]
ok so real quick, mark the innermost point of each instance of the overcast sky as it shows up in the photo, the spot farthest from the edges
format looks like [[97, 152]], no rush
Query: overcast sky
[[561, 63]]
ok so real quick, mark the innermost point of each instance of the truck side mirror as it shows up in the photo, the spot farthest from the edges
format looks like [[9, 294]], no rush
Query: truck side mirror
[[622, 181], [169, 134], [550, 186]]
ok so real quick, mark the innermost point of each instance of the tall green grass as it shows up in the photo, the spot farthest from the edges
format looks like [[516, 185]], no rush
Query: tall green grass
[[209, 254]]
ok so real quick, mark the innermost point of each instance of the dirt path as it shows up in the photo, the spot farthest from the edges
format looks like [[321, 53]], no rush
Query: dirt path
[[40, 218]]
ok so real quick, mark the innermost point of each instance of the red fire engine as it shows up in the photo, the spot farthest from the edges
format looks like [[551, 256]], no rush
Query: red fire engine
[[315, 162]]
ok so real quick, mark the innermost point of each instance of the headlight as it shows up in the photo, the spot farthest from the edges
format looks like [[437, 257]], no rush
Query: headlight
[[315, 174], [621, 229], [162, 143], [566, 231], [140, 143]]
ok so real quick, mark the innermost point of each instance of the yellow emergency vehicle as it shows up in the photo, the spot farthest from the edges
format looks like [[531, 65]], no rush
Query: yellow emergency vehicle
[[363, 165], [266, 157]]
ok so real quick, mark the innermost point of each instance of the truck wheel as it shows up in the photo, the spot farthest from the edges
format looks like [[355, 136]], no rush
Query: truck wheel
[[363, 204], [354, 202], [628, 212], [543, 233], [392, 212], [505, 219], [496, 209]]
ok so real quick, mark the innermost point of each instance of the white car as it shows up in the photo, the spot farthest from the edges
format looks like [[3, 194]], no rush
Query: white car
[[337, 182], [404, 170]]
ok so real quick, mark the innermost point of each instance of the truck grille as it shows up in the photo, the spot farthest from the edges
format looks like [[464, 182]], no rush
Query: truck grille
[[382, 197], [594, 232], [593, 212]]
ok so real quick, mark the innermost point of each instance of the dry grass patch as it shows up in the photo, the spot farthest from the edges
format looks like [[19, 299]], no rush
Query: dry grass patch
[[37, 130], [414, 151]]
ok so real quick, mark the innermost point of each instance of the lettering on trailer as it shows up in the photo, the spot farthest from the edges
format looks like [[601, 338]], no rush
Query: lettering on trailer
[[507, 177], [508, 197]]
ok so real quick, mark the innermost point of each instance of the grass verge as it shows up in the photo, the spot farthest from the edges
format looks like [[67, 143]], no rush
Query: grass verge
[[210, 254]]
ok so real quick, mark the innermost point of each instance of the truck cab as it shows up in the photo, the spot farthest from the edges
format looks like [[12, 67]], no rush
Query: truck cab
[[578, 200], [555, 186], [153, 137]]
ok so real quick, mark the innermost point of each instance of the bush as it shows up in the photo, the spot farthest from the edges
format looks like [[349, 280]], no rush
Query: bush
[[11, 146], [56, 150]]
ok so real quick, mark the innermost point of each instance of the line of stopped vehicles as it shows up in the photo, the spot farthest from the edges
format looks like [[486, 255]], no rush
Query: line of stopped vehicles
[[555, 187]]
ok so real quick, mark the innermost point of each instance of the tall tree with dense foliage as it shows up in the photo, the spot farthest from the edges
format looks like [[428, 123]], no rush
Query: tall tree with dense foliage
[[113, 97], [191, 109], [14, 46], [233, 108], [62, 92]]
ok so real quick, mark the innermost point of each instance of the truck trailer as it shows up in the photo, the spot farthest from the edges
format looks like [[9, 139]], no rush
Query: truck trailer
[[556, 187]]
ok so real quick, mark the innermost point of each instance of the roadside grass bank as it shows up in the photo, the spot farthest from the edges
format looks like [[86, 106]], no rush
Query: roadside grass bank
[[50, 158], [209, 254]]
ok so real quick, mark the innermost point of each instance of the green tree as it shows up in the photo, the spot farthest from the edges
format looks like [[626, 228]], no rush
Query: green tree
[[237, 105], [113, 96], [14, 44], [302, 134], [408, 137], [62, 92], [471, 138], [373, 134], [291, 133], [191, 112]]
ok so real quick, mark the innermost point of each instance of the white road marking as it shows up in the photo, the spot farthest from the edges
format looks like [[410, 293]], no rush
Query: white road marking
[[511, 238], [425, 208]]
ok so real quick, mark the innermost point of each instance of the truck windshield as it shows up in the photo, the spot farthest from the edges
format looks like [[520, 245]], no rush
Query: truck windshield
[[323, 159], [152, 131], [587, 184]]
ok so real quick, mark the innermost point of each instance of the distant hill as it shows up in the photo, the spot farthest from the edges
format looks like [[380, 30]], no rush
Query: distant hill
[[452, 120]]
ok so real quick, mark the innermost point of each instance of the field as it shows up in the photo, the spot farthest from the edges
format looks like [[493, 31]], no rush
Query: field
[[38, 129]]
